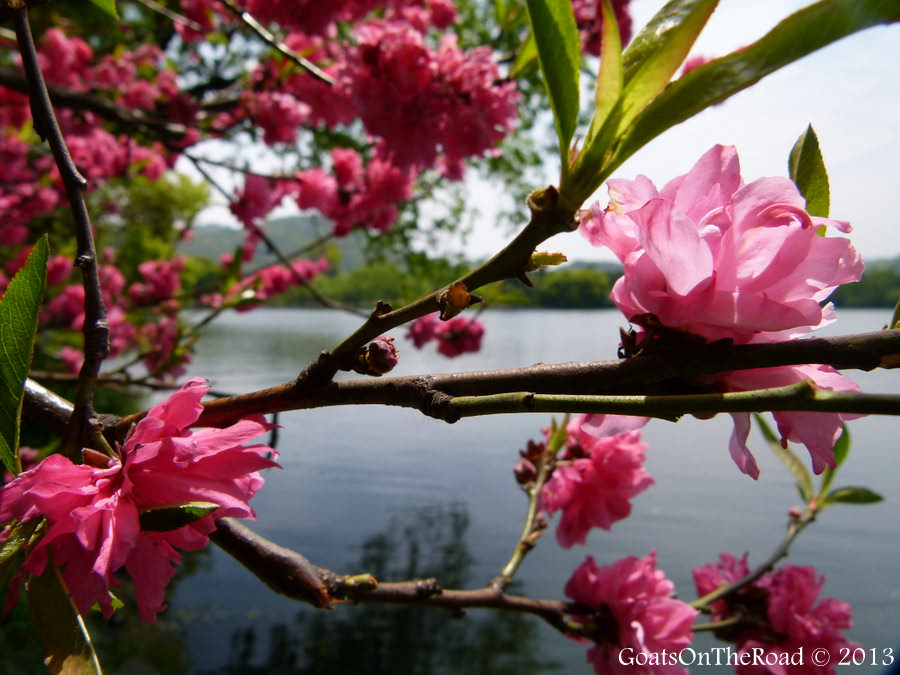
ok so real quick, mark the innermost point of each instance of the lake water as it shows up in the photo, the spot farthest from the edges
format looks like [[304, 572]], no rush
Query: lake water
[[388, 491]]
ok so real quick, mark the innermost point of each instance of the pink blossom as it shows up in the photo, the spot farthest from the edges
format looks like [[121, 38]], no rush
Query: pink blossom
[[458, 336], [779, 615], [92, 513], [589, 19], [421, 331], [278, 114], [630, 602], [603, 470], [257, 198], [420, 102], [817, 431], [160, 341], [710, 256], [59, 267], [161, 281]]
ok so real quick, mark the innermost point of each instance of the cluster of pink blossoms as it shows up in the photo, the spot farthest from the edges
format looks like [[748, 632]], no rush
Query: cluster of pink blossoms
[[779, 615], [711, 256], [631, 611], [93, 511], [601, 470], [455, 336], [69, 62]]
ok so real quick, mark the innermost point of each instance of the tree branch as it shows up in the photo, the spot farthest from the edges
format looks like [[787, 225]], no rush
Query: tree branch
[[96, 327], [645, 375]]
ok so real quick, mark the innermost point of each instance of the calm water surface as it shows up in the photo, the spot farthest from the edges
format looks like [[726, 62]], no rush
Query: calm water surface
[[388, 491]]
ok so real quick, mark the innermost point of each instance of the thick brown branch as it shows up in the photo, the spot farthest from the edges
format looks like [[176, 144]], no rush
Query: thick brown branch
[[650, 374]]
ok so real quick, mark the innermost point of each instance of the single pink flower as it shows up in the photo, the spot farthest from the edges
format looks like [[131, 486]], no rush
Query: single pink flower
[[713, 257], [630, 604], [716, 258], [93, 513], [603, 470], [458, 336], [779, 615]]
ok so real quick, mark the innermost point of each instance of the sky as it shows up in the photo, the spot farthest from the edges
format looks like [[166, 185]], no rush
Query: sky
[[849, 92]]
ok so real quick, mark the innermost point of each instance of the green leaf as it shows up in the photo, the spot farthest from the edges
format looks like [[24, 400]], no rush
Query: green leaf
[[626, 83], [559, 53], [18, 535], [107, 6], [525, 58], [789, 459], [841, 450], [610, 78], [67, 643], [807, 169], [852, 495], [658, 51], [800, 34], [18, 324], [172, 516]]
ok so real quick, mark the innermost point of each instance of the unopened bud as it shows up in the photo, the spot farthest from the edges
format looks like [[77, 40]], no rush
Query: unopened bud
[[379, 357], [524, 472]]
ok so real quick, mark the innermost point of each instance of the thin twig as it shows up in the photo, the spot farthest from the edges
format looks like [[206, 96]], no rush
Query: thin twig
[[96, 326], [274, 250], [277, 44], [173, 16], [132, 118]]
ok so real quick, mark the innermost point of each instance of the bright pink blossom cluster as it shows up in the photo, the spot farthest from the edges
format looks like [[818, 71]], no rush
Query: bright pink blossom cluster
[[597, 475], [631, 608], [711, 256], [778, 616], [455, 336], [29, 184], [93, 513], [353, 195]]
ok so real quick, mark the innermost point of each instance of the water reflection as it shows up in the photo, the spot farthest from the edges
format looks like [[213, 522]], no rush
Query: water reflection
[[427, 542]]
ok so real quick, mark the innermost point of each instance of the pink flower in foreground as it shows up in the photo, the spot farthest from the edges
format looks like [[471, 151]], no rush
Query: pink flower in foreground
[[93, 513], [633, 613], [713, 257], [780, 617], [716, 258], [605, 471]]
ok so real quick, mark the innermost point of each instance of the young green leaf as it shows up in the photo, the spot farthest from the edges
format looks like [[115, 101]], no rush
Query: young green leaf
[[171, 517], [841, 450], [525, 57], [18, 324], [852, 495], [67, 643], [656, 54], [559, 53], [610, 77], [807, 169], [652, 58], [789, 459], [582, 179], [107, 6], [800, 34]]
